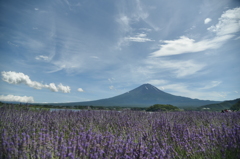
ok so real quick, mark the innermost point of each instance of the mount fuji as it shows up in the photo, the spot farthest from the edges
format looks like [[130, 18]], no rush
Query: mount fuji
[[144, 96]]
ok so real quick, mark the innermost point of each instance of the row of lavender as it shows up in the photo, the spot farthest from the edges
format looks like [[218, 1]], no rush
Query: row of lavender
[[110, 134]]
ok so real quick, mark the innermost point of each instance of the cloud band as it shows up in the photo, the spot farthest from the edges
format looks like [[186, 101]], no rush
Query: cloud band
[[13, 98], [20, 78]]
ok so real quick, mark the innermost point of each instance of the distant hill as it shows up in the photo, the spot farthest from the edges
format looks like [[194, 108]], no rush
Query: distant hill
[[144, 96], [220, 106]]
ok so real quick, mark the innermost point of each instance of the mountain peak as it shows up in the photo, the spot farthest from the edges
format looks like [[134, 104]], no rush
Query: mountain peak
[[149, 87], [146, 84]]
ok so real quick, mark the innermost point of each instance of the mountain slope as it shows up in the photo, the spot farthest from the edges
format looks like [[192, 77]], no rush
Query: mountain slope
[[144, 96], [220, 106]]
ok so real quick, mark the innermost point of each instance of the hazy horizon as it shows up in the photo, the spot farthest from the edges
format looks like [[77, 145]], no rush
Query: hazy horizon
[[78, 50]]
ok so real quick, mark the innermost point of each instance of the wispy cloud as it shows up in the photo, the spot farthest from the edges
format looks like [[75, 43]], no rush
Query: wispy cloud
[[138, 38], [157, 71], [228, 25], [111, 87], [72, 5], [237, 38], [142, 13], [13, 98], [212, 84], [128, 18], [29, 43], [186, 90], [158, 82], [20, 78], [42, 57], [12, 44], [94, 57], [221, 94], [111, 80], [146, 29], [124, 22], [176, 67]]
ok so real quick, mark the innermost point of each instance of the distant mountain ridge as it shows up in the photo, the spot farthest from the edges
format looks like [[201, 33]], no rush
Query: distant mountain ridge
[[220, 106], [144, 96]]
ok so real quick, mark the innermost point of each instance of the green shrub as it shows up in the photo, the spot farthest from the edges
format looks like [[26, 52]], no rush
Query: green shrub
[[162, 107]]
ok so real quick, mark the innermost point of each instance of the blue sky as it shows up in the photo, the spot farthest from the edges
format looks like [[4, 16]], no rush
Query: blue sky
[[80, 50]]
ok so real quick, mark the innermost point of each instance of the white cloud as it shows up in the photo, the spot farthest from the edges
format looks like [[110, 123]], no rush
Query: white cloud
[[64, 89], [187, 45], [20, 78], [228, 24], [12, 98], [80, 90], [207, 20], [53, 87], [36, 9], [212, 84], [138, 38]]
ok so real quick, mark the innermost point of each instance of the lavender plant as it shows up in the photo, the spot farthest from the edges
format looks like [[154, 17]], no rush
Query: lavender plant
[[69, 134]]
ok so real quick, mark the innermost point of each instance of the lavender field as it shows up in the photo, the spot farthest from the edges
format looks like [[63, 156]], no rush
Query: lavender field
[[92, 134]]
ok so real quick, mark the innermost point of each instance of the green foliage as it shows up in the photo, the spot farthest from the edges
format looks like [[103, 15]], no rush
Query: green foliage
[[162, 107], [236, 106]]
